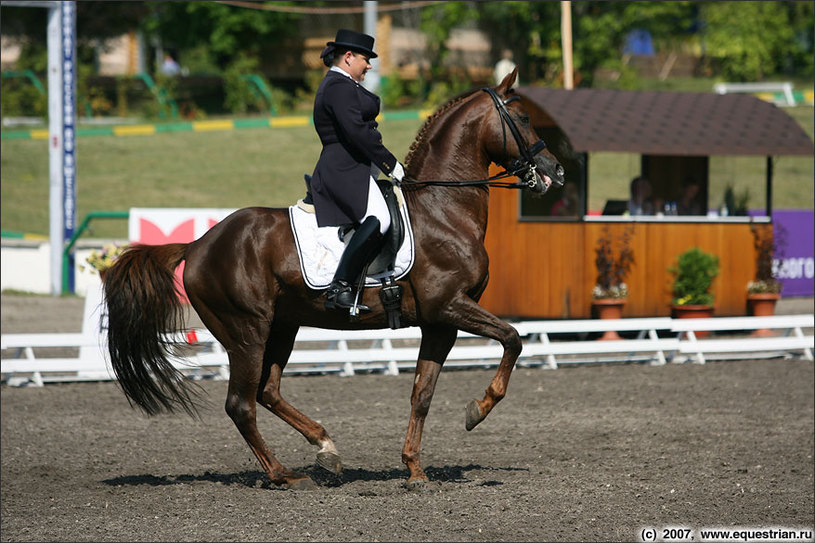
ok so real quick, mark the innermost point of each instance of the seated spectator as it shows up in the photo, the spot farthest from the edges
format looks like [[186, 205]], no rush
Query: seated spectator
[[639, 203], [569, 203], [688, 203]]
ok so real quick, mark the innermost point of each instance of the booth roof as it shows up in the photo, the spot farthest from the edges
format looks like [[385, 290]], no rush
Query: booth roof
[[670, 123]]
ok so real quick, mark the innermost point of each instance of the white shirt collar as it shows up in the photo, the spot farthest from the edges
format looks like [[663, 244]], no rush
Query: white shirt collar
[[343, 72]]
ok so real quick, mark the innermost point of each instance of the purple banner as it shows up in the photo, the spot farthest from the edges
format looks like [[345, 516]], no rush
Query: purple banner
[[794, 264]]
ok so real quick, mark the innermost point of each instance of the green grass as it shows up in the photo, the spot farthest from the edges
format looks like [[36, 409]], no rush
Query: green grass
[[230, 169], [265, 167]]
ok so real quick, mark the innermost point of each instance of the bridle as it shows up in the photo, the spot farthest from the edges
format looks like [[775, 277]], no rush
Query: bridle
[[523, 167]]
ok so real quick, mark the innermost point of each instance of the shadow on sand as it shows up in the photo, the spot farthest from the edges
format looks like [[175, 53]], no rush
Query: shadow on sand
[[258, 479]]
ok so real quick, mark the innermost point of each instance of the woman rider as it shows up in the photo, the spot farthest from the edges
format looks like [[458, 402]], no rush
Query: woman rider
[[343, 183]]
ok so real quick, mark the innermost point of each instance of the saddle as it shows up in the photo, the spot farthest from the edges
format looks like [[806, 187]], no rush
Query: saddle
[[383, 265]]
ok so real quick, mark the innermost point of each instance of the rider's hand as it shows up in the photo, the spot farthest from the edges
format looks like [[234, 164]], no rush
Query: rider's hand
[[398, 172]]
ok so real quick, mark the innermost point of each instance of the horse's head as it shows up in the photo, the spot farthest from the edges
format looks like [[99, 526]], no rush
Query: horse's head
[[513, 143]]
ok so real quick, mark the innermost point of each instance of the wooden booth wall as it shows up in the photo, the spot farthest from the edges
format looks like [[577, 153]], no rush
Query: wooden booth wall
[[546, 269]]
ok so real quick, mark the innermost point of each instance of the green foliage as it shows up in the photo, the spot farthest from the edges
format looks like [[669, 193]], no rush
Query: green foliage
[[694, 273], [20, 98], [802, 19], [305, 97], [284, 102], [744, 40], [749, 40], [736, 203], [239, 98], [90, 101], [397, 92], [437, 22], [442, 91], [200, 60], [225, 30], [600, 29]]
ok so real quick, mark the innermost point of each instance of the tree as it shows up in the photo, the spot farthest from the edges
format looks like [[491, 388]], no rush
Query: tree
[[600, 29], [532, 31], [750, 40], [224, 30]]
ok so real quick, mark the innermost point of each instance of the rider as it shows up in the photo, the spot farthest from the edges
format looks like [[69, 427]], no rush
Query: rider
[[343, 183]]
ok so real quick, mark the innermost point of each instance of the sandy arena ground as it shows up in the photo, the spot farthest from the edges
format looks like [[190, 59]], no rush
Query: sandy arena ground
[[589, 453]]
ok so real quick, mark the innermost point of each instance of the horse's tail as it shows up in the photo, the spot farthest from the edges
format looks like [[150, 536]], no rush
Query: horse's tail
[[142, 308]]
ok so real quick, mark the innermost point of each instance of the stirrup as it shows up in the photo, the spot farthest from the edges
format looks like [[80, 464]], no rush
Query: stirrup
[[340, 295]]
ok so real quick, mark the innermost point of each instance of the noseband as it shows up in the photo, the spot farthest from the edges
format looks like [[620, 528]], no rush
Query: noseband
[[523, 166]]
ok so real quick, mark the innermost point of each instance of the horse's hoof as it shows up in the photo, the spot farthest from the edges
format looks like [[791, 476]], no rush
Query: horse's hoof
[[330, 461], [415, 484], [474, 415], [302, 484]]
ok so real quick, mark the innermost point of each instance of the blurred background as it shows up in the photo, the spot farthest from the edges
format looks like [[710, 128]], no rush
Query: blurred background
[[237, 58]]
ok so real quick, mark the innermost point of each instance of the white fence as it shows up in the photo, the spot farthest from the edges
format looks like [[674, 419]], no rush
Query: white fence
[[545, 344], [784, 87]]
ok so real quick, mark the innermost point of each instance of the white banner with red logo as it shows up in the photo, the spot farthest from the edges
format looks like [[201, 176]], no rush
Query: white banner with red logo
[[158, 226]]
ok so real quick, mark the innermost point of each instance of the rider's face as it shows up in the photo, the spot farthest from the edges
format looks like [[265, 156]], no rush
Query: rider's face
[[356, 64]]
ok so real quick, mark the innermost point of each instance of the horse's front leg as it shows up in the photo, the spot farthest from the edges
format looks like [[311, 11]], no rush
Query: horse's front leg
[[435, 346], [467, 315]]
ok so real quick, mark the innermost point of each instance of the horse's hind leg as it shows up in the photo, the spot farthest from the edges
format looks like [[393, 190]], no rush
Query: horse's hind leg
[[436, 345], [246, 343], [244, 384], [278, 349], [467, 315]]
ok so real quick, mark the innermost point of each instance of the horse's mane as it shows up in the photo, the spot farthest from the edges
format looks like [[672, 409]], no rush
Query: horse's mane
[[425, 129]]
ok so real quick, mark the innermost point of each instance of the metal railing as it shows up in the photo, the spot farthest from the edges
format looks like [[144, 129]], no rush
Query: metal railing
[[66, 253]]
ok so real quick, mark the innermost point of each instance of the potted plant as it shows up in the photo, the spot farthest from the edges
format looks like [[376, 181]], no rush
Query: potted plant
[[693, 273], [735, 204], [765, 289], [613, 262]]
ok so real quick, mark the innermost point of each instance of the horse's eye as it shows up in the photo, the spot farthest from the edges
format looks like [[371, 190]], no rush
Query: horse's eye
[[524, 118]]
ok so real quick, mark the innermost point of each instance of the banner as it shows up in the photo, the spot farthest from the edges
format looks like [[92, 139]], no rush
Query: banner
[[794, 262], [68, 56], [158, 226]]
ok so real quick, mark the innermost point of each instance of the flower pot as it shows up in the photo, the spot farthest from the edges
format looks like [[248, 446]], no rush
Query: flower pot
[[609, 308], [762, 304], [692, 311]]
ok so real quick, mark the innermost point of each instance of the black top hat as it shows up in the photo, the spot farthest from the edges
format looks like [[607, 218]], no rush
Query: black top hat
[[356, 41]]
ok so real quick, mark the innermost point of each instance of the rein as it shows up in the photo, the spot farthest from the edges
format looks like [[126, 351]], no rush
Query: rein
[[523, 167]]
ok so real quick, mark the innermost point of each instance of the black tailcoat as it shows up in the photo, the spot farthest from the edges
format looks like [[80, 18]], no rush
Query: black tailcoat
[[345, 118]]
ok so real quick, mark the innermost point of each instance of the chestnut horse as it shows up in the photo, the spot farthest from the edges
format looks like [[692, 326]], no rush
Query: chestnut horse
[[244, 281]]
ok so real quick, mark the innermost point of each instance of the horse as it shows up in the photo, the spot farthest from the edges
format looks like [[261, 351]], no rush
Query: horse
[[243, 279]]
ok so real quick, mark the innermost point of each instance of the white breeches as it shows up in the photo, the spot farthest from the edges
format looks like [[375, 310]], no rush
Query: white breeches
[[377, 207]]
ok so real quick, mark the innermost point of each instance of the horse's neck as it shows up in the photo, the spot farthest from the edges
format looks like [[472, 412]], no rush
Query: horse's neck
[[451, 153]]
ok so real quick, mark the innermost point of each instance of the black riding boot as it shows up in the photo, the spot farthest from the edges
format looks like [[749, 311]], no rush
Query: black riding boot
[[361, 248]]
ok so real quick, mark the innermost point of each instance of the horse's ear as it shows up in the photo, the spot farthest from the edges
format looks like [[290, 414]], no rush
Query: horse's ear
[[507, 83]]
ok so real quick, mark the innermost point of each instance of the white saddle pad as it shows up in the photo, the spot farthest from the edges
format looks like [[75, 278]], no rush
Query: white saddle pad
[[320, 249]]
